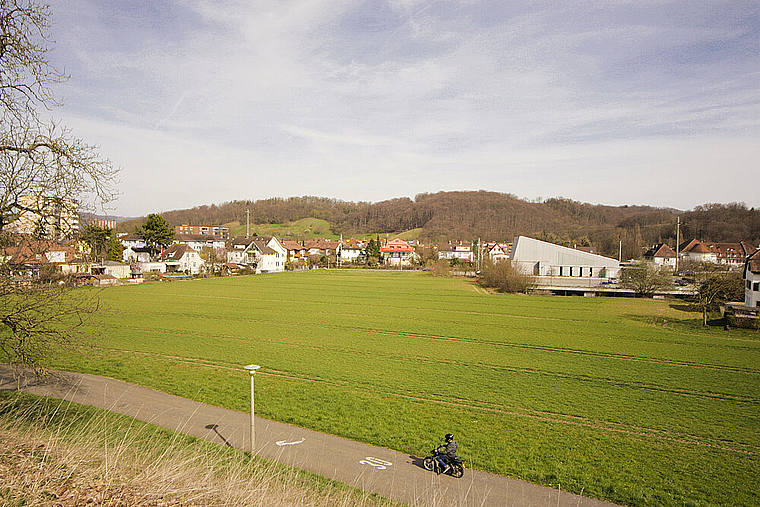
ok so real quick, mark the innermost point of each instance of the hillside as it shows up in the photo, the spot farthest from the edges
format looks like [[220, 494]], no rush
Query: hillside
[[490, 216]]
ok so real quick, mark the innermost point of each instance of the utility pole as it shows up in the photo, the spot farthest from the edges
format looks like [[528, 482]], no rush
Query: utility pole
[[678, 239], [247, 223]]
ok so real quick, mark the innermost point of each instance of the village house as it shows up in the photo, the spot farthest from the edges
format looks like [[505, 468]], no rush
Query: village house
[[729, 254], [131, 241], [296, 253], [498, 252], [352, 250], [321, 246], [198, 242], [398, 252], [263, 253], [180, 258], [29, 256], [661, 255], [460, 251]]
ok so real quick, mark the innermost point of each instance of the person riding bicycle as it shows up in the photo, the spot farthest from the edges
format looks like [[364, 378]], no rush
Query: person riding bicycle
[[449, 453]]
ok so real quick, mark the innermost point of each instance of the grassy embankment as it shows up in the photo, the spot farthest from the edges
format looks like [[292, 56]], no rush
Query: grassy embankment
[[308, 228], [59, 453], [622, 399]]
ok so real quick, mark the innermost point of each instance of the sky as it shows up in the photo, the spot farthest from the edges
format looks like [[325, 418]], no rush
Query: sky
[[608, 102]]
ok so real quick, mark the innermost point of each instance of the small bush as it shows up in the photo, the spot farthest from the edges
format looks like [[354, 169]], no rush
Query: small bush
[[503, 277]]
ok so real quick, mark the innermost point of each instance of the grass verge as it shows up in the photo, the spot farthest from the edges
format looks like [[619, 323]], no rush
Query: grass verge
[[60, 453]]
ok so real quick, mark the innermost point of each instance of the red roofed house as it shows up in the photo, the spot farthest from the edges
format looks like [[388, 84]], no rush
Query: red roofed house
[[397, 252], [730, 254], [662, 255], [296, 253]]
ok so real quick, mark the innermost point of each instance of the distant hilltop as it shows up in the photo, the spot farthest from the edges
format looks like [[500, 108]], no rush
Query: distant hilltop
[[491, 216]]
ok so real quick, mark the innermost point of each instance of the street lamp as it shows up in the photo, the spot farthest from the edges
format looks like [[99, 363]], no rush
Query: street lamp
[[252, 370]]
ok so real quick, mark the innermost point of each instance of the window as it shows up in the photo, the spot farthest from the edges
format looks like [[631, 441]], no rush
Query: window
[[756, 286]]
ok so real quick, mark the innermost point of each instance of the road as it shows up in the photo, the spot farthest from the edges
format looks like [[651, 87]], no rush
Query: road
[[388, 473]]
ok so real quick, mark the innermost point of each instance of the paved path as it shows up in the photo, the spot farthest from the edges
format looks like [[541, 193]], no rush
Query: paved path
[[388, 473]]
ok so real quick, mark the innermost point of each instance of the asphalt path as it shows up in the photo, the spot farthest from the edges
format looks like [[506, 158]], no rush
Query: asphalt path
[[388, 473]]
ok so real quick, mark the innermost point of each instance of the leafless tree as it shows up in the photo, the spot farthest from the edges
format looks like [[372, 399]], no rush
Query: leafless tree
[[40, 162]]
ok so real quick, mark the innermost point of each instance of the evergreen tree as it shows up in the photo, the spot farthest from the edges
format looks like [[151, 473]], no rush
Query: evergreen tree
[[156, 232]]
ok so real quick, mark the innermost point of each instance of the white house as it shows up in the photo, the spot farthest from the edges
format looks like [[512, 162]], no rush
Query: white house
[[662, 255], [499, 252], [535, 257], [697, 251], [115, 269], [197, 241], [181, 258], [131, 241], [752, 280], [351, 250], [459, 251], [136, 254], [265, 253], [398, 252]]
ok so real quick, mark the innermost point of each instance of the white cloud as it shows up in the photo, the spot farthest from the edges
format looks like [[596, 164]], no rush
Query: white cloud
[[375, 100]]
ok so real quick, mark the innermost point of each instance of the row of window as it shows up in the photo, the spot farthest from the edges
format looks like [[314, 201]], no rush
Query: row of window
[[754, 286]]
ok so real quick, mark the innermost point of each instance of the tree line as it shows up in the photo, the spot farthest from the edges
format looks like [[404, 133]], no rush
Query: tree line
[[494, 216]]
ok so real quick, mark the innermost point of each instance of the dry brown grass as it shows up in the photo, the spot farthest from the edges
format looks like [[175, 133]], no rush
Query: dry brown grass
[[106, 460]]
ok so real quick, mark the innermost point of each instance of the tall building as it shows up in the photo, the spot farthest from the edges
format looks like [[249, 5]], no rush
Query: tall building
[[203, 230], [53, 218]]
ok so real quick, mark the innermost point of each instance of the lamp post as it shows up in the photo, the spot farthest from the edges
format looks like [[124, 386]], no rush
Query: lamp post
[[252, 370]]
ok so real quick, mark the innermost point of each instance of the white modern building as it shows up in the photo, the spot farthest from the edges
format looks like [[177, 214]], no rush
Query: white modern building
[[752, 281], [535, 257]]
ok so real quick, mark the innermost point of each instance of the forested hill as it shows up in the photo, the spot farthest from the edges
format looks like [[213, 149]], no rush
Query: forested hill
[[492, 216]]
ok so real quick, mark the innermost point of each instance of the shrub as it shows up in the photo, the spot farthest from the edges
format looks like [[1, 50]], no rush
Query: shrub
[[506, 278]]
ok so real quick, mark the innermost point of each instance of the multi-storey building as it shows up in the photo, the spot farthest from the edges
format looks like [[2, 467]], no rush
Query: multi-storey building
[[215, 231]]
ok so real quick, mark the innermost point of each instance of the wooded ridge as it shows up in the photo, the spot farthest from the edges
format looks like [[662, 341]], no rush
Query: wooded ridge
[[493, 216]]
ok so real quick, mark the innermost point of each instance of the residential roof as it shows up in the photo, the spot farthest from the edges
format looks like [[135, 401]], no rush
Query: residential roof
[[661, 250], [396, 246], [753, 262], [177, 251], [353, 244], [33, 252], [322, 244], [289, 244]]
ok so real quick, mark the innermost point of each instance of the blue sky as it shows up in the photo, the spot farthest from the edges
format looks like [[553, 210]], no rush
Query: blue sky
[[207, 101]]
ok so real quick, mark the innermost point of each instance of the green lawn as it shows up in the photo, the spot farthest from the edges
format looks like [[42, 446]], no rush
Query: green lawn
[[623, 399]]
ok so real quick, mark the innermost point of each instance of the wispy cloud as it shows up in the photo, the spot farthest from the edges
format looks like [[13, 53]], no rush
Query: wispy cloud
[[533, 98]]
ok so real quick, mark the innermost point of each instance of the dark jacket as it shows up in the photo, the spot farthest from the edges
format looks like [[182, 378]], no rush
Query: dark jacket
[[451, 449]]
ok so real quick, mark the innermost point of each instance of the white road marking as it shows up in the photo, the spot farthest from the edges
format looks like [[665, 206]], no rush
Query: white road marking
[[283, 442], [376, 462]]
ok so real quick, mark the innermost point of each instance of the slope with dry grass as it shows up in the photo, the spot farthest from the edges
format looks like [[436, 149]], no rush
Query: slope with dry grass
[[56, 453]]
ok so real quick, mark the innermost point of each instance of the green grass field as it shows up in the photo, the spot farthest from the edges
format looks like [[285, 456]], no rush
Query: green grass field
[[623, 399], [304, 228]]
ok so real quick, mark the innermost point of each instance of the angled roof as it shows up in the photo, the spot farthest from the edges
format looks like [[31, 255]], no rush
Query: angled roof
[[661, 251], [753, 262], [687, 246], [289, 244], [33, 252], [353, 244], [397, 246], [322, 244], [177, 251]]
